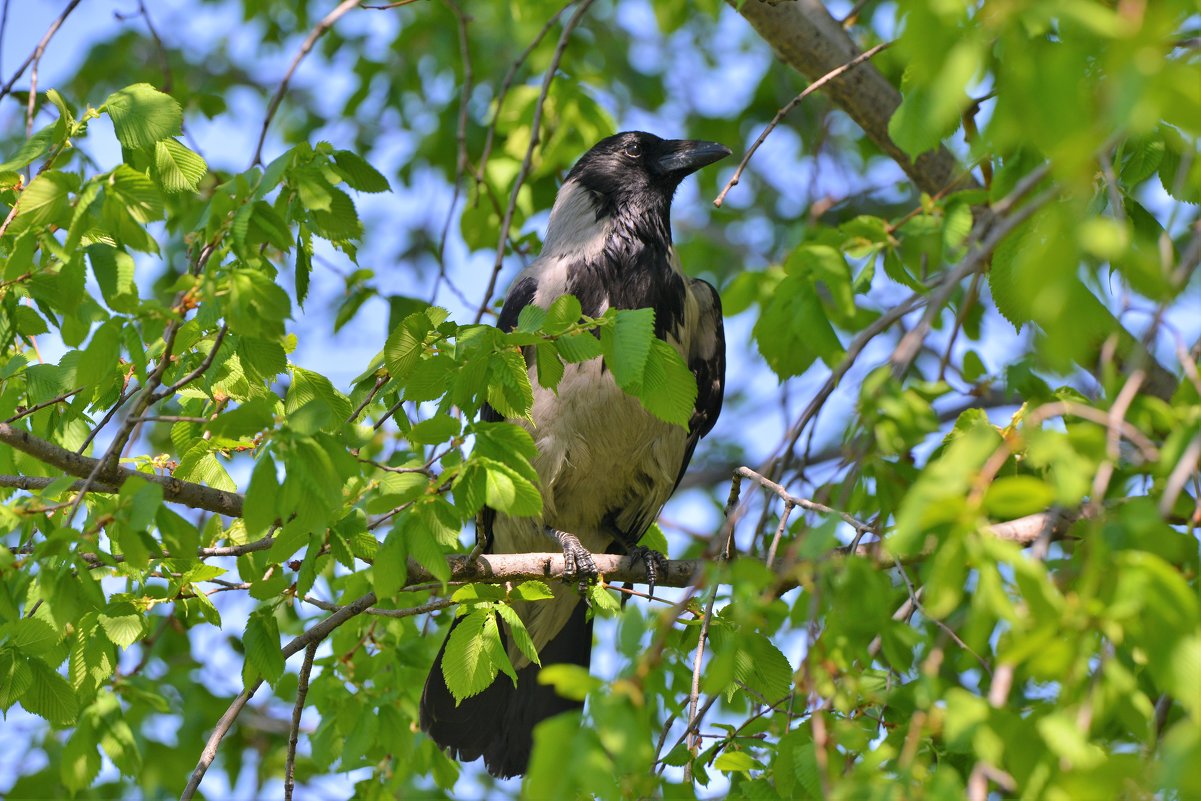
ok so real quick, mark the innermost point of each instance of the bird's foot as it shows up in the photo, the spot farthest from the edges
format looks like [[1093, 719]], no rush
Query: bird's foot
[[577, 561], [656, 565]]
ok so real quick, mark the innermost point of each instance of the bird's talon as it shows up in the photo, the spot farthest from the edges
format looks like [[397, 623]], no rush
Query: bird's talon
[[656, 565]]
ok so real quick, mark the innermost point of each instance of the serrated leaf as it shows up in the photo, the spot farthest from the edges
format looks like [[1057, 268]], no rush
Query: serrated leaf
[[532, 591], [562, 313], [668, 389], [80, 759], [261, 642], [15, 677], [136, 193], [531, 318], [49, 695], [32, 636], [437, 429], [506, 490], [467, 665], [518, 634], [627, 345], [46, 200], [142, 115], [179, 168], [550, 368], [358, 173], [580, 347], [122, 630], [761, 666]]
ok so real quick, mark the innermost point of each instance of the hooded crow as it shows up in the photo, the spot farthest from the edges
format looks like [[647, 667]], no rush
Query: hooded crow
[[606, 465]]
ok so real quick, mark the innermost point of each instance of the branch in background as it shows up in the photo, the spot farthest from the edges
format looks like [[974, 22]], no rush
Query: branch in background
[[316, 33], [808, 39], [314, 635], [41, 47], [528, 160], [302, 692]]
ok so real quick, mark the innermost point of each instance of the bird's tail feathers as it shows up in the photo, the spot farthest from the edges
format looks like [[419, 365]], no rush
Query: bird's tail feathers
[[498, 723]]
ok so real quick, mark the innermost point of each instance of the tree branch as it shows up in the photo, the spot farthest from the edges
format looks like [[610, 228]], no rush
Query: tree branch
[[111, 478], [808, 39]]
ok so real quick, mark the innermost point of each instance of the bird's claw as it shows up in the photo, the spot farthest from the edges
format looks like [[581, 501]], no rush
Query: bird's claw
[[577, 562], [656, 565]]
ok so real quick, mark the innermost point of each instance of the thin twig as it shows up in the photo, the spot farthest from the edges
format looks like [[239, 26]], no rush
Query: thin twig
[[694, 695], [804, 503], [314, 635], [771, 126], [528, 160], [43, 405], [507, 84], [302, 691], [41, 47], [316, 33]]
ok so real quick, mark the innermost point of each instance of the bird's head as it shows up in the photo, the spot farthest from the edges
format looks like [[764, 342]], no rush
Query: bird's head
[[639, 169]]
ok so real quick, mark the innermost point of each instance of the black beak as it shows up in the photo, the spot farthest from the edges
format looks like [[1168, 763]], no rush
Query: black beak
[[684, 157]]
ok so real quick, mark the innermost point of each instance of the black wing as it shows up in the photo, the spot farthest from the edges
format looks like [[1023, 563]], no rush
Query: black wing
[[521, 294], [707, 360]]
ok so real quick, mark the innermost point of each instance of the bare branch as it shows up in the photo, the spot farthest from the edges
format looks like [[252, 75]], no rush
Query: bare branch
[[302, 691], [316, 33], [41, 47]]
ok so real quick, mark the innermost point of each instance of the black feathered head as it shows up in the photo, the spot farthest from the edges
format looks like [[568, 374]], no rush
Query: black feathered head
[[640, 169]]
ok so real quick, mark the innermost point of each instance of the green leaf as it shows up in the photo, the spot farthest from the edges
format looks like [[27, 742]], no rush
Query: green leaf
[[114, 271], [142, 115], [46, 200], [467, 664], [32, 148], [179, 169], [259, 510], [436, 430], [517, 633], [136, 193], [123, 630], [506, 490], [668, 388], [570, 681], [49, 695], [532, 591], [627, 345], [581, 347], [358, 173], [390, 569], [735, 762], [80, 759], [261, 642], [15, 677], [550, 368], [32, 636], [563, 313], [1011, 497]]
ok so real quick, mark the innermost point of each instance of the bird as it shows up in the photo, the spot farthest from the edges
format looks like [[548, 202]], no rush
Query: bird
[[605, 465]]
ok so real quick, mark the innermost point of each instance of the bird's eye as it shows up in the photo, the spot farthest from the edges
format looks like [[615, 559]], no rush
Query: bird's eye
[[633, 150]]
